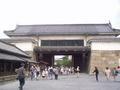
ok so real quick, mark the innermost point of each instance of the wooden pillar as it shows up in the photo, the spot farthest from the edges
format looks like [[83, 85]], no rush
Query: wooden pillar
[[40, 56], [11, 67], [0, 68], [37, 56], [4, 68], [72, 60], [87, 61], [52, 58], [83, 61]]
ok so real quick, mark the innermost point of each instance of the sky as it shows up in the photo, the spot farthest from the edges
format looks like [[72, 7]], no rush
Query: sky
[[28, 12]]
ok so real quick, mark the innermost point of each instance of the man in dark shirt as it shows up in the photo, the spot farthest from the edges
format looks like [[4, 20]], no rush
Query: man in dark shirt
[[21, 76], [96, 71]]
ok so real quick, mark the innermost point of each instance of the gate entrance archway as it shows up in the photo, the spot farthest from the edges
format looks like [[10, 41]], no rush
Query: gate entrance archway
[[80, 55]]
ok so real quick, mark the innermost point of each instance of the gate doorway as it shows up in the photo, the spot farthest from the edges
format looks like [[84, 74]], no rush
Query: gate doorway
[[80, 55]]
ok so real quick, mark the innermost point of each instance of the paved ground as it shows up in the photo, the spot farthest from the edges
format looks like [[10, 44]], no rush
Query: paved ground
[[84, 82]]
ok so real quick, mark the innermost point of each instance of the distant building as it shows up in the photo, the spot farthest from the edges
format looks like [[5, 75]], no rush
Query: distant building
[[25, 44], [10, 58], [89, 44]]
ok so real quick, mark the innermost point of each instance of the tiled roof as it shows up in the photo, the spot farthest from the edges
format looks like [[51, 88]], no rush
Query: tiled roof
[[16, 40], [60, 29], [12, 49], [12, 53], [4, 56], [105, 40]]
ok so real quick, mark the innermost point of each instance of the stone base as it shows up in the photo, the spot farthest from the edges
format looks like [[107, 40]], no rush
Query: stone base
[[8, 78], [103, 59]]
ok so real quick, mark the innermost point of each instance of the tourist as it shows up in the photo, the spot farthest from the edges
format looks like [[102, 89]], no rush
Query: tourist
[[21, 76], [114, 73], [51, 73], [33, 72], [37, 71], [72, 70], [78, 71], [118, 70], [56, 72], [107, 73], [96, 72], [43, 74], [46, 73], [69, 71], [62, 70]]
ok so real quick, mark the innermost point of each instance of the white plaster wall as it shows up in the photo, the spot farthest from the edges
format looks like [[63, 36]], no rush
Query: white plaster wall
[[26, 46], [59, 37], [105, 46], [67, 37], [70, 37]]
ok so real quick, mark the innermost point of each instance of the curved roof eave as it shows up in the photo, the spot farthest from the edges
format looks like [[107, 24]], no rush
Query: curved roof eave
[[17, 35], [9, 48], [62, 29]]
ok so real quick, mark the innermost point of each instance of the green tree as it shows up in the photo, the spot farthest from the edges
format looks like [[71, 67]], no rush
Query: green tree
[[64, 62]]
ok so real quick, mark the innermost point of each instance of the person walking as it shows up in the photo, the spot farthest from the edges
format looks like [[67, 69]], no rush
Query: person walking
[[114, 73], [78, 71], [51, 73], [96, 72], [33, 72], [56, 73], [21, 76], [107, 73], [37, 72]]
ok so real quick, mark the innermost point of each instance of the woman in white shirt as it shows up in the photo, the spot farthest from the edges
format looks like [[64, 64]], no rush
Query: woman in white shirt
[[107, 73]]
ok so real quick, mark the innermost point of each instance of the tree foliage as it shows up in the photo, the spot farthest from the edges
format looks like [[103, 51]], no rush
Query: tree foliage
[[64, 62]]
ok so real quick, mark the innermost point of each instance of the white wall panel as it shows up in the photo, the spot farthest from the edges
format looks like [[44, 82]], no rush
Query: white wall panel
[[25, 46], [105, 45]]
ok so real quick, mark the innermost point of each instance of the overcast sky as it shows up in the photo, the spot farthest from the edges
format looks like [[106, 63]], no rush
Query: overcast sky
[[15, 12]]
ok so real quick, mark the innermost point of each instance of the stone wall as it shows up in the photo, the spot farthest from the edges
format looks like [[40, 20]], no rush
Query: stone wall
[[8, 78], [104, 58]]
